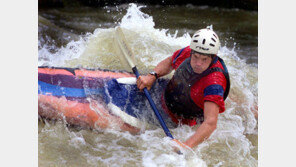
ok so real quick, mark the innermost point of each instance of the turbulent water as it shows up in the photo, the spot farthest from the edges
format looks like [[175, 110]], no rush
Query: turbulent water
[[84, 37]]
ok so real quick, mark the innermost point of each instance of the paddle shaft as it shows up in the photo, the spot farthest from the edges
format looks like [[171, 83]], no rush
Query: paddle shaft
[[152, 104], [129, 57]]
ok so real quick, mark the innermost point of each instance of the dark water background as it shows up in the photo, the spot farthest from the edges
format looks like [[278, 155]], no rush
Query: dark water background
[[235, 27], [234, 143]]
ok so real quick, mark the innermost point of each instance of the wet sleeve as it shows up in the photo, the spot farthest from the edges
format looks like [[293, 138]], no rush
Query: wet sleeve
[[214, 92]]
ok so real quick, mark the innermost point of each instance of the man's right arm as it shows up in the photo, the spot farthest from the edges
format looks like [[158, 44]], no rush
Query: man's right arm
[[163, 68]]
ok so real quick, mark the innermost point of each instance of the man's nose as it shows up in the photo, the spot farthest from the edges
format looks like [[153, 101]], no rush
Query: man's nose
[[198, 62]]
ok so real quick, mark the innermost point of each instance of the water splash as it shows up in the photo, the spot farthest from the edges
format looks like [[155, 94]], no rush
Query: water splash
[[50, 55], [229, 145]]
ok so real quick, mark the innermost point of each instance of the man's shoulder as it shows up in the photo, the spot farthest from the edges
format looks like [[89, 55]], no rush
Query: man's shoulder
[[215, 78], [182, 52], [218, 64], [186, 50], [180, 55], [217, 75]]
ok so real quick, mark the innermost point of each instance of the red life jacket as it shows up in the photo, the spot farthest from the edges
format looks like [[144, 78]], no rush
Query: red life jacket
[[178, 91]]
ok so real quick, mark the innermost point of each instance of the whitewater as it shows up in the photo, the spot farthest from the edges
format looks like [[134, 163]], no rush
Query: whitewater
[[233, 143]]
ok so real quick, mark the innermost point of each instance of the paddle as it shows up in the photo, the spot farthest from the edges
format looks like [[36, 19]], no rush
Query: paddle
[[129, 57]]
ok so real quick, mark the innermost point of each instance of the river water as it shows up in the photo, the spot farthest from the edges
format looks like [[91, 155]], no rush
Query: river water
[[83, 37]]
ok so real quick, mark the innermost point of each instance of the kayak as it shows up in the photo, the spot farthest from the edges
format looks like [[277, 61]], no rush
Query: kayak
[[88, 97]]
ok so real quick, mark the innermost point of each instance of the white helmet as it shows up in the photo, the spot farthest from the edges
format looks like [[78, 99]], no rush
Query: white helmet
[[205, 41]]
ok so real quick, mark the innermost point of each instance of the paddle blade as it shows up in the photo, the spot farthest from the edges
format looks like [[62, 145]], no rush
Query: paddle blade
[[124, 47]]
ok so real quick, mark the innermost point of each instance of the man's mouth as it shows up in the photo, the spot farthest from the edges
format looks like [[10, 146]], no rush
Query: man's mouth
[[197, 69]]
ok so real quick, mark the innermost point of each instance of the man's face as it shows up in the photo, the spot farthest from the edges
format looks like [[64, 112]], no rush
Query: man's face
[[199, 62]]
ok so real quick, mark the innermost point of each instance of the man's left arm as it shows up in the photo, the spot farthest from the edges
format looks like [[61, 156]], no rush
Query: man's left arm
[[211, 111]]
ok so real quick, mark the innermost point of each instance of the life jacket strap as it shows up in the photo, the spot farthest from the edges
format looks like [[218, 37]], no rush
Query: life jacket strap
[[178, 55]]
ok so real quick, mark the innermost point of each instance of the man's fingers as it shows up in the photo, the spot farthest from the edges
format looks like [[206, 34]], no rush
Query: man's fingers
[[139, 83], [141, 87], [181, 144], [142, 82], [138, 80], [177, 150]]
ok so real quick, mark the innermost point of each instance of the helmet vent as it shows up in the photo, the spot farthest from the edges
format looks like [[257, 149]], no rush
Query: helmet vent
[[205, 41]]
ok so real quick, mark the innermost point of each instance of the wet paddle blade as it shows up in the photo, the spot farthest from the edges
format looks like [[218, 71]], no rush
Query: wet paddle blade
[[124, 47]]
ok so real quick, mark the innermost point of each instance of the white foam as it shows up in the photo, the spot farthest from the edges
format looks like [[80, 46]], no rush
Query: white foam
[[71, 51], [228, 144]]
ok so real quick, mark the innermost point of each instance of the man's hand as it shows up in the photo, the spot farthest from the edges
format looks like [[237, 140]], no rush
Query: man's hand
[[182, 145], [145, 81], [162, 69]]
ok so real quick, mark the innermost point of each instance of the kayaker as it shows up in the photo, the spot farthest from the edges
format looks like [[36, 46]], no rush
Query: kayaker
[[198, 88]]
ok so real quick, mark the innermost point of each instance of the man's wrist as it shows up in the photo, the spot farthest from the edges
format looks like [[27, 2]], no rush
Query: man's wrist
[[154, 74]]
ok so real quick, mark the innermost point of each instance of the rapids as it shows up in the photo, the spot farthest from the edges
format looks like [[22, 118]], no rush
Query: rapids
[[69, 38]]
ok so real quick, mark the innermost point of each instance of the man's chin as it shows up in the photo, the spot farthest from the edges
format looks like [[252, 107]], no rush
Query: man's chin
[[197, 71]]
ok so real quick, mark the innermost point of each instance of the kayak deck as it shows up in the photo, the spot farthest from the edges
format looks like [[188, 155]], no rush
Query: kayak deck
[[93, 97]]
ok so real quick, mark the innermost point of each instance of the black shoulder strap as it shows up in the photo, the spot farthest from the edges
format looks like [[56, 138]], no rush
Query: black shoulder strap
[[211, 70], [226, 74], [178, 55]]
